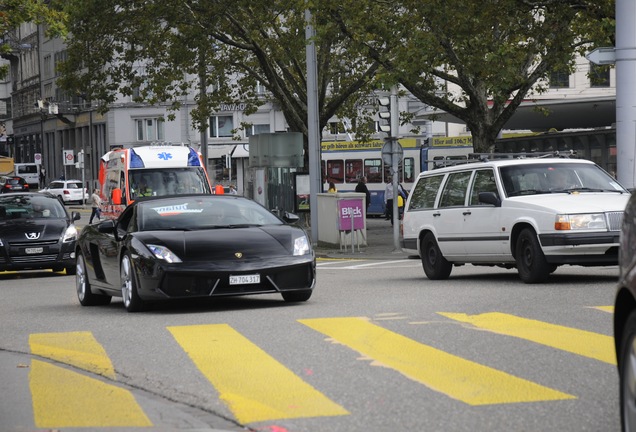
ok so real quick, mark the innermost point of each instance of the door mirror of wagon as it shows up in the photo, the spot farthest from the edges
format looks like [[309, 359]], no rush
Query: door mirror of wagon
[[489, 198]]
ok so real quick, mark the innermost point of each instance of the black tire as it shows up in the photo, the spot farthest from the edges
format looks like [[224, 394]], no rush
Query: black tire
[[296, 296], [627, 374], [83, 286], [132, 301], [435, 265], [531, 263]]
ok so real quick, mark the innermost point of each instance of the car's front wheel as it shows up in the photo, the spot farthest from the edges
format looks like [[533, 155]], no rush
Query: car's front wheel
[[83, 286], [296, 296], [531, 263], [132, 301], [435, 265], [627, 374]]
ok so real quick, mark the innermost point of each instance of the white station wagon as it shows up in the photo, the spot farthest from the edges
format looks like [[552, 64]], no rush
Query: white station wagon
[[533, 214]]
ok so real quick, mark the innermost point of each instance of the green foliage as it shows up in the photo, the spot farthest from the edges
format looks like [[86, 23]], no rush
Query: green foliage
[[16, 12], [163, 47], [475, 59]]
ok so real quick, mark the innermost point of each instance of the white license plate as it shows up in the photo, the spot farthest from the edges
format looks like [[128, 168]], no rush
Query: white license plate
[[245, 279], [34, 250]]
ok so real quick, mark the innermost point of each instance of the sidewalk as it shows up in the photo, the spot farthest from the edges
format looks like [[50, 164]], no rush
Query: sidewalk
[[380, 244]]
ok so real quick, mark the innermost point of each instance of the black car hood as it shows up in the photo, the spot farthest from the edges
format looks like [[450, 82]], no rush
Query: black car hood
[[223, 243], [32, 230]]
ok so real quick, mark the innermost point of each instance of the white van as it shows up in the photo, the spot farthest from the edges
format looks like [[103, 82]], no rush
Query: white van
[[29, 172]]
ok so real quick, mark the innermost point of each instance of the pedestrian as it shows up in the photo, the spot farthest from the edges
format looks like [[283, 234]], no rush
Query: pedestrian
[[96, 201], [42, 177], [361, 187], [233, 190], [332, 188], [388, 199]]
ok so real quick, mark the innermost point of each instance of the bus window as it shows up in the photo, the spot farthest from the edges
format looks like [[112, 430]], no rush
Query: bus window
[[335, 171], [373, 170], [409, 170], [353, 170]]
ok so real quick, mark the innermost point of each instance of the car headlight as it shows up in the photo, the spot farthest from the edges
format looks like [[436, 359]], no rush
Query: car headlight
[[301, 246], [589, 221], [163, 253], [70, 234]]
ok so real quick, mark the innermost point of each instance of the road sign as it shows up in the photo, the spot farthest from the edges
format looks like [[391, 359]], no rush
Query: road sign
[[602, 56], [69, 157], [37, 158], [387, 152]]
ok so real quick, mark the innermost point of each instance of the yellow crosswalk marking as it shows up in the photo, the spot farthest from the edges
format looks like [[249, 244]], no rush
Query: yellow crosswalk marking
[[62, 398], [458, 378], [581, 342], [253, 384], [79, 349]]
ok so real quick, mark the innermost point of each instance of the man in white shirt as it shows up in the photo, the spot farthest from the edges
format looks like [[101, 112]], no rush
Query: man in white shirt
[[388, 199]]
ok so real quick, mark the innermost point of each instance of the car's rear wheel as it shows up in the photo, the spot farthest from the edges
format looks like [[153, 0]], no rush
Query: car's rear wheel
[[531, 263], [435, 265], [296, 296], [132, 301], [627, 374], [84, 293]]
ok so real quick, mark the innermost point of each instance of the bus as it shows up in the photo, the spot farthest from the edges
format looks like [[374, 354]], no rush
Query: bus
[[126, 174], [345, 162]]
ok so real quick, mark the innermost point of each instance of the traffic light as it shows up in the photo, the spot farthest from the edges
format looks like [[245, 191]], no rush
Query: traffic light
[[385, 114]]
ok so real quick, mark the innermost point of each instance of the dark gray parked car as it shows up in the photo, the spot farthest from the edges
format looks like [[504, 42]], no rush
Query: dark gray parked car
[[36, 232], [625, 317]]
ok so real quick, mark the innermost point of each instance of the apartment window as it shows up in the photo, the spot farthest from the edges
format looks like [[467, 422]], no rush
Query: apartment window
[[48, 92], [48, 72], [221, 126], [256, 129], [599, 75], [559, 79], [149, 129], [336, 128]]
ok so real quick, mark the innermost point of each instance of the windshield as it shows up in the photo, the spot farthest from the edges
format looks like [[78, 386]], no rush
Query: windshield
[[167, 181], [202, 212], [30, 207], [556, 177]]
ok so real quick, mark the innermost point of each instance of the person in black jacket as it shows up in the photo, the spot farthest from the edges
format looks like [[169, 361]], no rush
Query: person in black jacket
[[362, 188]]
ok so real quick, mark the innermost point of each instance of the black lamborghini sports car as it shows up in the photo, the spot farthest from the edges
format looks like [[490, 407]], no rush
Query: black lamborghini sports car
[[188, 246]]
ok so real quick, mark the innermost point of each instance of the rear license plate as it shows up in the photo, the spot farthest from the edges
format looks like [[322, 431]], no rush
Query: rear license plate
[[34, 250], [245, 279]]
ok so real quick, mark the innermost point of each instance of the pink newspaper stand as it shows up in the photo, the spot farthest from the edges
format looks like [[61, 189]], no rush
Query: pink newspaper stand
[[351, 221]]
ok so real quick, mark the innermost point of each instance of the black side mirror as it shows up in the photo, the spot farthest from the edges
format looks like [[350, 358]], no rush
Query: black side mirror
[[107, 227], [489, 198]]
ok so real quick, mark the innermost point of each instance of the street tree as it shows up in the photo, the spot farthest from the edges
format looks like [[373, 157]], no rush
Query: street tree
[[475, 59], [13, 13], [161, 51]]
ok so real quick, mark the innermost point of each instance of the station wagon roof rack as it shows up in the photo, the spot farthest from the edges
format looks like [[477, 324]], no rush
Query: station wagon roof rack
[[485, 157]]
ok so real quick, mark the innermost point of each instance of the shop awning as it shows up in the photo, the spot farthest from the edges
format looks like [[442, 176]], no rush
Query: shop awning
[[219, 151], [241, 151]]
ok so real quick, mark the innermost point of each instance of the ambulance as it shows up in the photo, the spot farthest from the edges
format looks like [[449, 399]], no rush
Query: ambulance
[[126, 174]]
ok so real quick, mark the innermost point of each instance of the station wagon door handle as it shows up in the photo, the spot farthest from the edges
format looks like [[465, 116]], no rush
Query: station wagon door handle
[[437, 214], [467, 213]]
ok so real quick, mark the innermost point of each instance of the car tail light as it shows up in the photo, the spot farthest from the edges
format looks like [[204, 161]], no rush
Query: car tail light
[[66, 192]]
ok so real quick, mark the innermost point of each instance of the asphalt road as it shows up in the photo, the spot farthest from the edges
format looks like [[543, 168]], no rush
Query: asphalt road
[[378, 347]]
